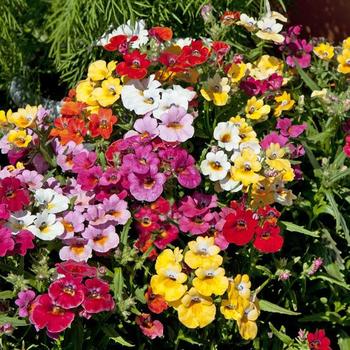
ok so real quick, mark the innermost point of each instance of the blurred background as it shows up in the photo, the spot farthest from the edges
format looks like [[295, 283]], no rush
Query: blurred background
[[45, 46]]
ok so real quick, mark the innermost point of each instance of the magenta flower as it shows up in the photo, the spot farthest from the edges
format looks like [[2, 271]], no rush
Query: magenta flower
[[300, 53], [89, 179], [4, 212], [273, 137], [23, 301], [197, 204], [142, 161], [116, 210], [23, 242], [7, 243], [101, 239], [253, 87], [288, 130], [84, 161], [167, 233], [176, 125], [196, 225], [77, 250], [110, 177], [96, 215], [274, 81], [147, 187], [67, 292]]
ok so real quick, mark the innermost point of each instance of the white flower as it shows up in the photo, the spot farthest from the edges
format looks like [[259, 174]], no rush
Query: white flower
[[141, 96], [127, 29], [20, 220], [228, 135], [51, 201], [215, 165], [229, 184], [183, 42], [269, 30], [177, 96], [46, 227], [253, 145], [247, 22]]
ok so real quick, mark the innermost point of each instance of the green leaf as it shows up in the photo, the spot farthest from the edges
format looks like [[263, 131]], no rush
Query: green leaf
[[344, 341], [331, 280], [270, 307], [15, 321], [6, 294], [306, 78], [120, 340], [281, 336], [124, 233], [118, 283], [300, 229]]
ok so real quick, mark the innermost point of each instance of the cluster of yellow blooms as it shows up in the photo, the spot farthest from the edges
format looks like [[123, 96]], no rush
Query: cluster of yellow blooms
[[195, 306], [16, 124], [100, 88]]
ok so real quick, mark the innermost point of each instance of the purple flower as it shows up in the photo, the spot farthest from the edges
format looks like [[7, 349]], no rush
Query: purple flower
[[73, 222], [65, 154], [253, 87], [274, 81], [296, 151], [23, 302], [176, 125], [116, 210], [96, 215], [101, 239], [147, 127], [316, 264], [110, 177], [206, 11], [146, 187], [142, 161], [32, 179], [288, 130], [273, 137]]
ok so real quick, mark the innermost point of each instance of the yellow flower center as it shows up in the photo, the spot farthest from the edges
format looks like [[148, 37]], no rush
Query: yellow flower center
[[216, 165], [226, 138]]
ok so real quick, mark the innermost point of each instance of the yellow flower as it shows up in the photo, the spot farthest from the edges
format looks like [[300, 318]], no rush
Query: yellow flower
[[246, 325], [285, 197], [84, 92], [210, 279], [189, 76], [255, 109], [233, 307], [241, 285], [108, 93], [100, 70], [19, 166], [319, 93], [245, 168], [344, 62], [284, 103], [19, 138], [265, 66], [202, 250], [262, 194], [346, 43], [169, 279], [216, 89], [4, 117], [196, 310], [237, 72], [24, 117], [324, 51]]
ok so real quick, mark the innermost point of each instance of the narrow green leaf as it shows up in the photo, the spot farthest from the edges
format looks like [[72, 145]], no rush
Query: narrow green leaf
[[306, 78], [120, 340], [118, 283], [331, 280], [270, 307], [344, 341], [284, 338], [6, 294], [16, 322], [300, 229]]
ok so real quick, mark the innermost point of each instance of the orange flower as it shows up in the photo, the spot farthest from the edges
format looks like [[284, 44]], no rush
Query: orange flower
[[155, 302], [101, 124], [71, 108], [69, 129], [161, 33]]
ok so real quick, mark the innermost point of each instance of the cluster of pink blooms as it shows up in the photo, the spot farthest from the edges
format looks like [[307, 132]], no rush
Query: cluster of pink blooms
[[77, 291], [297, 50]]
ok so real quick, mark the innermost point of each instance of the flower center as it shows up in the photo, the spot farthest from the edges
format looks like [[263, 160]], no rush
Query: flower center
[[175, 125], [247, 167], [69, 289], [146, 222], [241, 224], [226, 138], [136, 64], [196, 53], [266, 235], [148, 183], [216, 165], [10, 194], [56, 310], [149, 100]]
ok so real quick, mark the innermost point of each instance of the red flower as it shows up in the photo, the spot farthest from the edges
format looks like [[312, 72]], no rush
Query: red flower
[[76, 269], [230, 17], [120, 43], [134, 66], [161, 33], [240, 227], [318, 340], [67, 292], [167, 233], [6, 241], [12, 194], [170, 59], [161, 206], [346, 148], [155, 302], [45, 313], [147, 220], [23, 242], [151, 329], [97, 297], [269, 214], [194, 54], [101, 124], [268, 239], [221, 49]]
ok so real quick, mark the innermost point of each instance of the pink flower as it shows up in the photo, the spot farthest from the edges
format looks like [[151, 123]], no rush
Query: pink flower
[[288, 130], [346, 148], [253, 87], [151, 329], [147, 187], [147, 220], [111, 176], [77, 250], [274, 81], [197, 204], [45, 313], [101, 240], [13, 194], [23, 301], [7, 243], [73, 222], [146, 127], [65, 154], [273, 137], [116, 210], [89, 179], [167, 233], [23, 242], [96, 215], [76, 269], [32, 179], [195, 225], [67, 292], [4, 213], [176, 125], [97, 297]]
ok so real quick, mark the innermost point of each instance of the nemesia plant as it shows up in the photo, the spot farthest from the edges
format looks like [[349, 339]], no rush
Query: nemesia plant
[[160, 201]]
